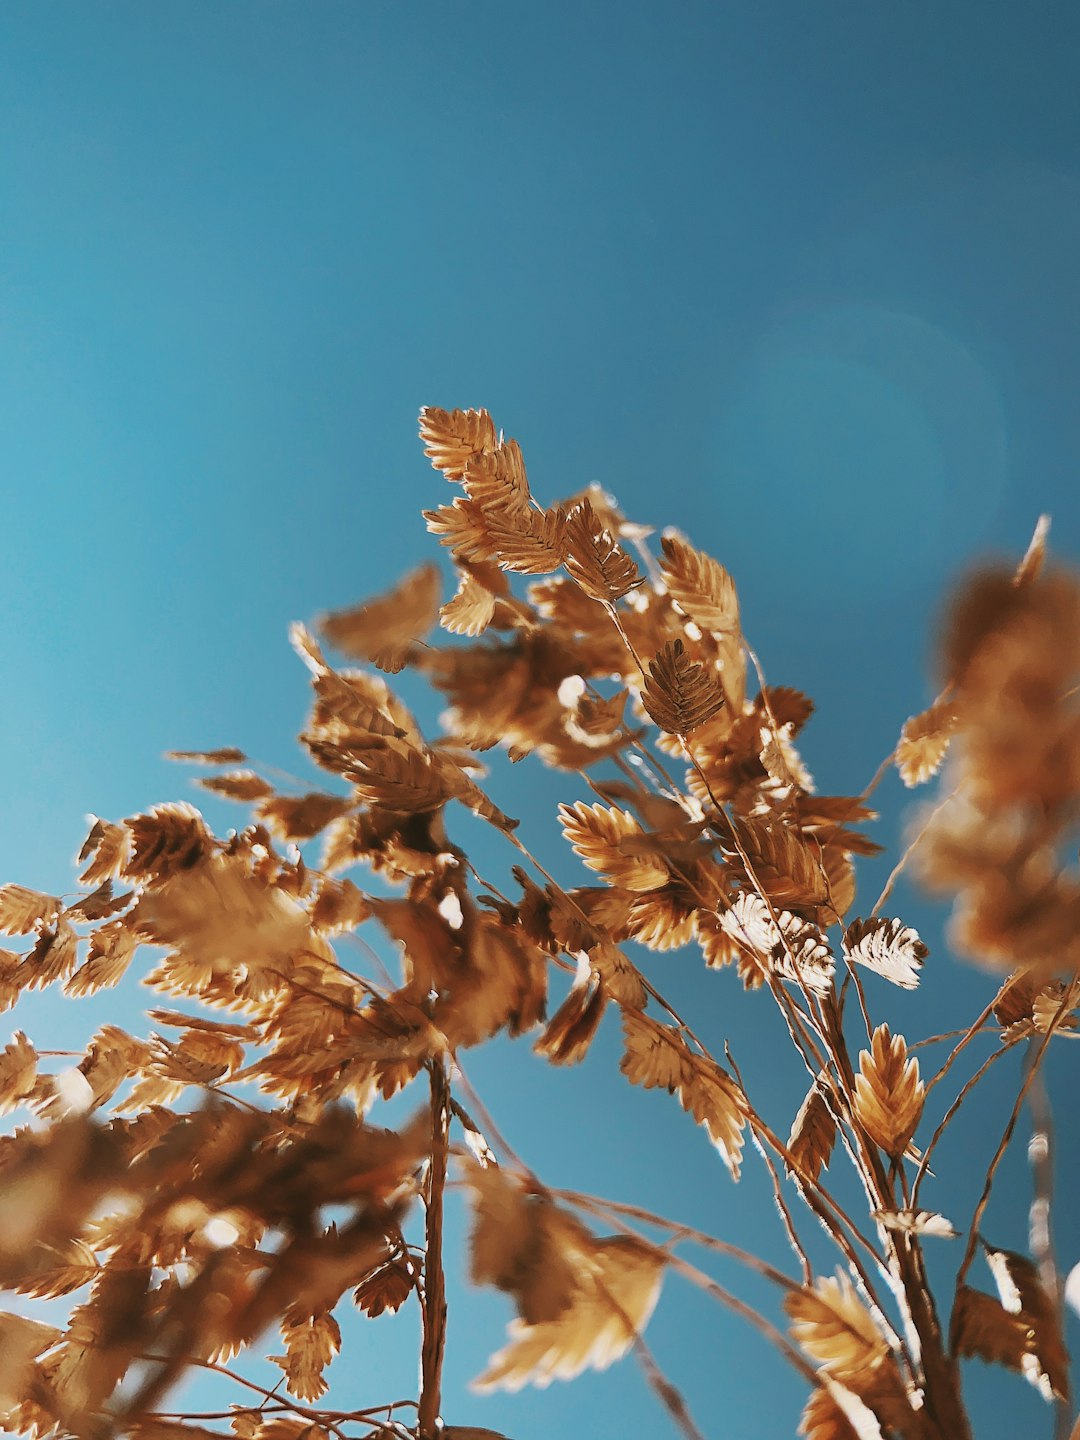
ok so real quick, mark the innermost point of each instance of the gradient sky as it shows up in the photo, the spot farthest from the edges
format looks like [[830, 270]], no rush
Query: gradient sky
[[800, 279]]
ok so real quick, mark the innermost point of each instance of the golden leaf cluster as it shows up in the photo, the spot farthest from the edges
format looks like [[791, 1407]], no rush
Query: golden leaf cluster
[[183, 1193]]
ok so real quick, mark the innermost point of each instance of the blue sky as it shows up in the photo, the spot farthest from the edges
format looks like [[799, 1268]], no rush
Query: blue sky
[[798, 279]]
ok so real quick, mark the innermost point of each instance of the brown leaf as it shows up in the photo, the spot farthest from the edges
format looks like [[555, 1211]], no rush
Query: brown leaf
[[657, 1056], [237, 785], [385, 1289], [522, 1244], [1045, 1362], [166, 841], [452, 437], [471, 609], [226, 755], [888, 1092], [18, 1071], [779, 942], [301, 817], [21, 1340], [532, 542], [108, 845], [395, 776], [701, 586], [823, 1419], [385, 630], [23, 910], [595, 559], [597, 833], [111, 949], [785, 864], [54, 957], [982, 1327], [619, 975], [495, 480], [618, 1285], [834, 1327], [1030, 567], [311, 1342], [99, 904], [221, 917], [680, 693]]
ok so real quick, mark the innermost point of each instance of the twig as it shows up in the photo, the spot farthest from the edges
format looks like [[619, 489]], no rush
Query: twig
[[1034, 1061], [901, 864], [924, 1163]]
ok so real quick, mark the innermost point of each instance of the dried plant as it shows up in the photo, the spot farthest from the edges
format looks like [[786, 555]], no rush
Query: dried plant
[[176, 1187]]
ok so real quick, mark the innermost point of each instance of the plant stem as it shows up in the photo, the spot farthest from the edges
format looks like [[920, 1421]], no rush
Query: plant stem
[[434, 1336]]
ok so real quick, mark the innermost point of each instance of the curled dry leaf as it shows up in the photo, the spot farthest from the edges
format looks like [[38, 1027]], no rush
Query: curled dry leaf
[[916, 1222], [813, 1134], [106, 849], [924, 743], [470, 610], [888, 1092], [982, 1327], [779, 943], [890, 948], [657, 1056], [384, 630], [385, 1289], [571, 1030]]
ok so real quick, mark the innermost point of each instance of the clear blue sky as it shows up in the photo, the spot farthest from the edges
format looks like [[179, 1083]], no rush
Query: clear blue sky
[[799, 278]]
